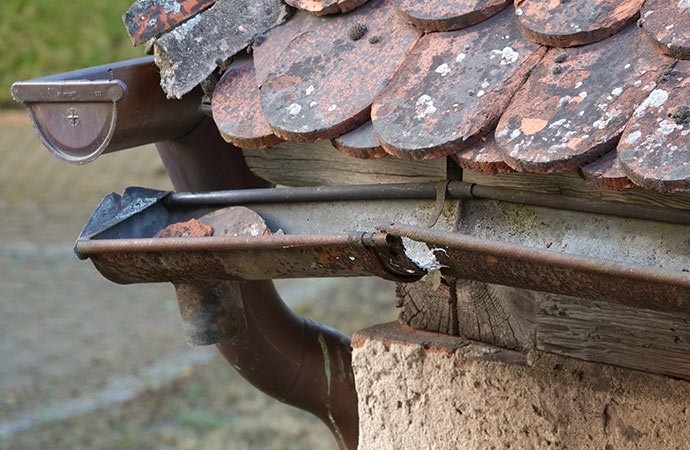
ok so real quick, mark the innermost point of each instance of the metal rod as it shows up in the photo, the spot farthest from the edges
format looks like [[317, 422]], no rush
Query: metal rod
[[457, 190]]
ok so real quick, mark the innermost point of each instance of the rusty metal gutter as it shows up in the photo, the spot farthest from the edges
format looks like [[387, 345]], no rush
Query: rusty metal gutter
[[83, 114]]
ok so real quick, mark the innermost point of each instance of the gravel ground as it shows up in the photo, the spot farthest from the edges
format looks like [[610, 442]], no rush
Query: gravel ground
[[90, 364]]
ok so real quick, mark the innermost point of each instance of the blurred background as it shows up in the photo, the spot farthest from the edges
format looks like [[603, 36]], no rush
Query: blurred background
[[87, 364]]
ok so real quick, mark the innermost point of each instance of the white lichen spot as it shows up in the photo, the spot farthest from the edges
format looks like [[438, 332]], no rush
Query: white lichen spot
[[518, 11], [443, 69], [578, 85], [481, 93], [180, 32], [637, 83], [682, 4], [294, 109], [627, 66], [152, 22], [425, 106], [564, 100], [485, 84], [312, 104], [617, 91], [332, 108], [670, 27], [504, 132], [651, 11], [667, 127], [557, 123], [633, 138], [508, 55], [514, 135], [582, 94], [657, 98], [310, 90], [649, 86], [460, 58]]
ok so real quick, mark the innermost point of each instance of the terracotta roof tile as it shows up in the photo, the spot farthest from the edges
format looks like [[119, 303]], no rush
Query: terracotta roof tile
[[667, 23], [235, 107], [146, 19], [448, 15], [453, 88], [324, 7], [607, 173], [573, 108], [655, 148], [565, 23], [316, 78], [360, 143], [323, 83]]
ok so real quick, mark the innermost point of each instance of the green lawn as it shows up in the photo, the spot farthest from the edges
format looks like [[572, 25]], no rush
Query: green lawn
[[43, 37]]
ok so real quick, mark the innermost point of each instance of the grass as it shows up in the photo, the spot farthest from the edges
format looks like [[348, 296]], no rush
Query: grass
[[44, 37]]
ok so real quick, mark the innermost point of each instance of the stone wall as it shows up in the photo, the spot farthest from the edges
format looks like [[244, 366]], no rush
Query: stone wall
[[420, 390]]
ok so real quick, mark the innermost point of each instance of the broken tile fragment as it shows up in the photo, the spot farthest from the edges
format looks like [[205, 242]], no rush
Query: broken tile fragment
[[452, 89], [189, 53], [235, 108], [448, 15], [360, 143], [566, 23], [655, 147], [483, 157], [325, 7], [667, 24], [561, 120], [146, 19], [321, 85], [607, 173]]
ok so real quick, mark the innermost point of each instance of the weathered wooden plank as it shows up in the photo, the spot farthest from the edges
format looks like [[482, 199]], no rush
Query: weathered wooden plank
[[235, 111], [522, 320], [483, 157], [666, 23], [570, 183], [293, 164], [655, 148], [360, 143], [607, 173], [324, 7], [595, 331], [322, 84], [190, 52], [146, 19], [569, 23], [453, 88], [448, 15], [574, 107]]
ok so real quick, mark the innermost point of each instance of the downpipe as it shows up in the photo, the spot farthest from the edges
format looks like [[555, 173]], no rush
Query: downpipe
[[295, 360]]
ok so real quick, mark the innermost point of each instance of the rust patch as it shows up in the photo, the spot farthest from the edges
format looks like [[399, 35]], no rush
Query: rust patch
[[558, 23], [655, 148], [338, 78], [325, 7], [448, 15], [235, 110], [191, 228], [483, 157], [361, 143], [146, 19], [666, 23], [453, 88], [585, 107], [607, 173]]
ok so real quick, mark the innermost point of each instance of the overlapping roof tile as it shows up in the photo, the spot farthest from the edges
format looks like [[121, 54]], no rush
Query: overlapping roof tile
[[477, 80]]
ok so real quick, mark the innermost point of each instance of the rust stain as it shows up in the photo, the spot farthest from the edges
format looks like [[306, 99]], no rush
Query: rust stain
[[448, 15], [558, 23], [146, 19]]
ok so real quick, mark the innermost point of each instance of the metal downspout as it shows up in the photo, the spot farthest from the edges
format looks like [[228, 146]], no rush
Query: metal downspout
[[295, 360]]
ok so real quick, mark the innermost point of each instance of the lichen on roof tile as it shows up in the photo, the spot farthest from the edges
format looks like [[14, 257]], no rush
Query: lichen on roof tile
[[187, 54], [566, 23], [448, 15], [655, 148], [235, 107], [667, 24], [574, 106], [360, 143], [146, 19], [325, 7], [452, 88], [321, 82]]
